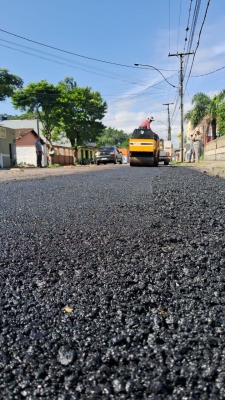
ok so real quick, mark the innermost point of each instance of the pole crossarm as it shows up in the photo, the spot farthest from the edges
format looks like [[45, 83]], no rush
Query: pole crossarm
[[181, 54]]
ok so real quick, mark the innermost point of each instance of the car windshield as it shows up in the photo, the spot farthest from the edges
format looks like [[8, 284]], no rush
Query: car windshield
[[143, 134], [107, 148]]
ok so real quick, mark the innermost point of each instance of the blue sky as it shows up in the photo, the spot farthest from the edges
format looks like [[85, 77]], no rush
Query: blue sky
[[123, 32]]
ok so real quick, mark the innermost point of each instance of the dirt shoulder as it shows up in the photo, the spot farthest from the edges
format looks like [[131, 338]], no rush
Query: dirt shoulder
[[21, 174], [214, 168]]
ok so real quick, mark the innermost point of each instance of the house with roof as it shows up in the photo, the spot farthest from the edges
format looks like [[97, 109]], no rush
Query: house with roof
[[26, 134], [25, 148], [26, 152], [7, 147]]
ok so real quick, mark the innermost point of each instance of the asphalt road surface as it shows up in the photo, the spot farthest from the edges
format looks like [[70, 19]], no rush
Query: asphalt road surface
[[112, 285]]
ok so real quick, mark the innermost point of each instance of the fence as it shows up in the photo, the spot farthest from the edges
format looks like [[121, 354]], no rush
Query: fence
[[215, 150]]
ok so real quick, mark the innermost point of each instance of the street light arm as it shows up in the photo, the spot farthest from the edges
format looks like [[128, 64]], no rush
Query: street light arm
[[150, 66]]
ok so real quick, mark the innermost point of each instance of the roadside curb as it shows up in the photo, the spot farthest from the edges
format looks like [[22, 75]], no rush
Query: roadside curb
[[212, 168], [16, 170]]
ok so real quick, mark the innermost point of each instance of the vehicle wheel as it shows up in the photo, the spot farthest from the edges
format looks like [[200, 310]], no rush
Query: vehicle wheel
[[104, 163], [97, 163], [115, 161], [156, 162], [166, 163]]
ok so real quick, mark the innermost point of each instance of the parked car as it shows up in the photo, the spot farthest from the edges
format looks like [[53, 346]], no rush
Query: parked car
[[109, 154]]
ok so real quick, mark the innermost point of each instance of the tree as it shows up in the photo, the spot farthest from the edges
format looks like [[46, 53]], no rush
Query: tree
[[204, 106], [80, 113], [26, 116], [8, 84], [221, 118], [42, 99], [114, 137]]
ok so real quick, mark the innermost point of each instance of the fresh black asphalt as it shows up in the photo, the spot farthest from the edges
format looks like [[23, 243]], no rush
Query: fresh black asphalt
[[112, 286]]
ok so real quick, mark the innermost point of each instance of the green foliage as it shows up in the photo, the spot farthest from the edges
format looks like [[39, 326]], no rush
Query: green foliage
[[80, 113], [26, 116], [114, 137], [221, 118], [8, 84], [41, 98], [204, 106], [65, 110], [201, 108], [9, 116]]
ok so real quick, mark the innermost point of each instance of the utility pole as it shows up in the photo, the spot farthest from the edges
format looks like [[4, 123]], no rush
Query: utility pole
[[181, 99], [169, 127], [37, 123]]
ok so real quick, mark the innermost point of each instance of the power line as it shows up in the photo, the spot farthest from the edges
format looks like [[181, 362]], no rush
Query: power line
[[179, 25], [187, 29], [76, 67], [135, 94], [67, 51], [192, 31], [209, 73], [176, 104], [200, 32], [169, 25], [61, 58]]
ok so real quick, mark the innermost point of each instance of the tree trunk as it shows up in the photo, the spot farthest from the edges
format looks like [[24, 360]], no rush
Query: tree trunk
[[213, 123], [73, 142]]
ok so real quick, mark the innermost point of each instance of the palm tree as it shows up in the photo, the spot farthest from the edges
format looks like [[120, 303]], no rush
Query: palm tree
[[205, 107]]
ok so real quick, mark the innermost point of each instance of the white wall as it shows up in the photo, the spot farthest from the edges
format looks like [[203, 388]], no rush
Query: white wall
[[26, 154], [215, 150]]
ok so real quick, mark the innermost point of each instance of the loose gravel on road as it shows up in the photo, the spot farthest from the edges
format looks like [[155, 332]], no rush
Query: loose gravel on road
[[112, 286]]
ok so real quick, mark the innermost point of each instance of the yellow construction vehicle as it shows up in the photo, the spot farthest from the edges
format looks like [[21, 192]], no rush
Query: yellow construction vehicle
[[144, 148]]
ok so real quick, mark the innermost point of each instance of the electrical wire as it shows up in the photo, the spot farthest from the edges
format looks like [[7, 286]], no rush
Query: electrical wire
[[209, 73], [178, 34], [206, 11], [68, 52], [192, 32], [133, 94], [187, 29], [65, 59], [190, 42], [169, 26], [111, 76], [65, 51]]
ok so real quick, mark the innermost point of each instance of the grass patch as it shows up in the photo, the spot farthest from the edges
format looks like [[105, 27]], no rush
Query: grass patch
[[55, 165], [175, 163]]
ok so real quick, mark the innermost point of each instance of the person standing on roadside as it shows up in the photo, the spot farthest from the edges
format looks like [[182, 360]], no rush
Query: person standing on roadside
[[201, 136], [197, 140], [146, 123], [192, 152], [39, 152]]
